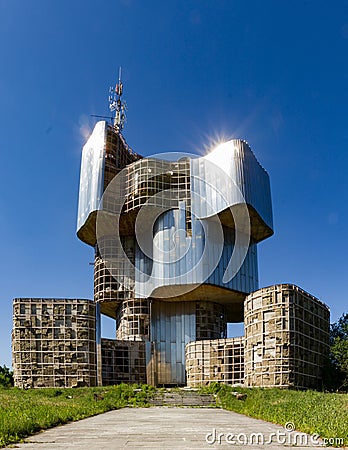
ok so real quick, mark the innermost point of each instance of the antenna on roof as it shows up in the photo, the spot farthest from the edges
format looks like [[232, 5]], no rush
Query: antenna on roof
[[116, 104]]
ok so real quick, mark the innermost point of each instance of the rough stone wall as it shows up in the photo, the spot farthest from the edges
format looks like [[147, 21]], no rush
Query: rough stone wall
[[220, 360], [123, 361], [53, 342], [286, 337]]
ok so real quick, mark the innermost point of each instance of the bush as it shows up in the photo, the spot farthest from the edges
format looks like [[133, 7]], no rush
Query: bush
[[6, 377], [336, 371]]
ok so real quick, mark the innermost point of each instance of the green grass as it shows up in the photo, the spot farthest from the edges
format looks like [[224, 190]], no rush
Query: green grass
[[311, 412], [22, 413]]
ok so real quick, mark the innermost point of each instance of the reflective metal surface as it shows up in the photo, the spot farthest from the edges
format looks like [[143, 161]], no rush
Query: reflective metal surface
[[179, 259], [173, 325], [227, 176], [92, 174]]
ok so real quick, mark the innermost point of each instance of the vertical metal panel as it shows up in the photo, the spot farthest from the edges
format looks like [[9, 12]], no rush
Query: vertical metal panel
[[227, 176], [91, 176], [180, 328]]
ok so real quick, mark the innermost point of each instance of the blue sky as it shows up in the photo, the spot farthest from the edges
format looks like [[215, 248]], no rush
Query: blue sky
[[273, 72]]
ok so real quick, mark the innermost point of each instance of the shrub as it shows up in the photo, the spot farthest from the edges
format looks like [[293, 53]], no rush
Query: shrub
[[336, 371], [6, 377]]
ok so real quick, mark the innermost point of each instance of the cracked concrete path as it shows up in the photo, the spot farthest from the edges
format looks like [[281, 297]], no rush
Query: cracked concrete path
[[167, 428]]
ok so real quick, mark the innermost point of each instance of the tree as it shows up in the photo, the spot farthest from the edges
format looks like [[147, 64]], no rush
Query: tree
[[6, 377], [339, 346], [337, 370]]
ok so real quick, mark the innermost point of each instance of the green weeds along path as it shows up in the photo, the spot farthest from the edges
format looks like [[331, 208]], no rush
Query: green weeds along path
[[23, 413], [311, 412]]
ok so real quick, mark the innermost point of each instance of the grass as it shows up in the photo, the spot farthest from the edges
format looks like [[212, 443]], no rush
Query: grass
[[23, 413], [311, 412]]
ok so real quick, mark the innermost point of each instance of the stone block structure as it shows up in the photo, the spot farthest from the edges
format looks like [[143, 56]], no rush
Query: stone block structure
[[54, 342], [219, 360], [286, 338], [286, 343], [123, 361]]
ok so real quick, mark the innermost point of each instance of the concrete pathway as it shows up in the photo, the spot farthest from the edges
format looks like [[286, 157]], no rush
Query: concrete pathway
[[168, 428]]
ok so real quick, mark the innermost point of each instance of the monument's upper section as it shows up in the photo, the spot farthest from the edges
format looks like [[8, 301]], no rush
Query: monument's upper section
[[218, 184], [176, 226]]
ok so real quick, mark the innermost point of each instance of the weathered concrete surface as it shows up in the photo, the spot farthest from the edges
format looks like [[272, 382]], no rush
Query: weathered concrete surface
[[161, 428]]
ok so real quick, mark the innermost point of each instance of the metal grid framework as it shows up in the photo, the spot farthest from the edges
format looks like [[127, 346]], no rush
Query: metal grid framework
[[107, 288], [119, 285], [54, 342], [149, 177], [286, 338], [123, 361], [132, 320], [219, 360], [117, 154], [210, 321]]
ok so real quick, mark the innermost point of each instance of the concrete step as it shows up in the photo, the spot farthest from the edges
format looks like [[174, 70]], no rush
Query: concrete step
[[182, 397]]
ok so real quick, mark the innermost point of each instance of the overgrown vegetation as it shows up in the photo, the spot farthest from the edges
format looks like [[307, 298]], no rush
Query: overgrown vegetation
[[336, 373], [22, 413], [311, 412], [6, 377]]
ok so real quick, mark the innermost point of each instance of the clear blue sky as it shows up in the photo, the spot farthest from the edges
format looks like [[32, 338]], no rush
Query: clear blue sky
[[272, 72]]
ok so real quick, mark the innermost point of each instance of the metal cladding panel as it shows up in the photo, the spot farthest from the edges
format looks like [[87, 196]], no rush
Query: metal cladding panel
[[173, 325], [246, 279], [227, 176], [92, 173], [179, 259]]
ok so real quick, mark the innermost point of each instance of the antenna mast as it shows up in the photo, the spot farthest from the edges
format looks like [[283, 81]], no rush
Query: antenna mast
[[116, 104]]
